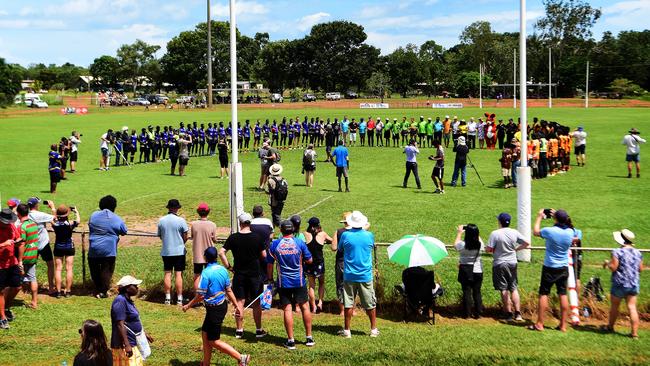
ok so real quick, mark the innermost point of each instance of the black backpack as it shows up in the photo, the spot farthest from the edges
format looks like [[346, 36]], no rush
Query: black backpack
[[308, 160], [281, 189], [277, 154]]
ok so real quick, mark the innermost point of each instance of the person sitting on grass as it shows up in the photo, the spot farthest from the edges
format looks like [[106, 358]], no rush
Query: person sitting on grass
[[626, 264], [94, 349], [64, 248], [214, 289]]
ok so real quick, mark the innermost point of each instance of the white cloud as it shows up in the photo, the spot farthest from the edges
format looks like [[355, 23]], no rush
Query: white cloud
[[389, 42], [305, 23], [373, 11], [149, 33], [14, 24], [222, 10], [173, 11], [625, 13], [3, 13]]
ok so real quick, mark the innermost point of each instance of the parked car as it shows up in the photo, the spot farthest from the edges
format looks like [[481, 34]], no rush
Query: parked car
[[351, 95], [184, 99], [139, 101], [35, 103], [157, 99], [333, 96], [277, 98], [309, 98]]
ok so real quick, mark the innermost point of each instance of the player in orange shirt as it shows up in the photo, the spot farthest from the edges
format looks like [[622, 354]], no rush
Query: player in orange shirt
[[446, 130]]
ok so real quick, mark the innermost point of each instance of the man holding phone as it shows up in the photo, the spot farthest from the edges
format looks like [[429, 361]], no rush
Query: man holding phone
[[632, 141]]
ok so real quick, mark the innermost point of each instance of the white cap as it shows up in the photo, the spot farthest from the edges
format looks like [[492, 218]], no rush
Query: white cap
[[128, 280]]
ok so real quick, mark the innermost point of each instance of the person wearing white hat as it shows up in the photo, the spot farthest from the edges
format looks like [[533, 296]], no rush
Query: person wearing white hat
[[126, 324], [277, 189], [460, 164], [357, 245], [75, 140], [626, 264], [633, 141]]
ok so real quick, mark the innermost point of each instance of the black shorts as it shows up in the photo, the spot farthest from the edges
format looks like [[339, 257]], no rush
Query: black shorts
[[297, 295], [553, 276], [183, 160], [438, 172], [580, 149], [309, 167], [223, 162], [504, 277], [46, 253], [341, 171], [55, 176], [577, 269], [63, 252], [199, 267], [338, 276], [214, 315], [10, 277], [315, 269], [246, 287], [174, 263], [73, 156]]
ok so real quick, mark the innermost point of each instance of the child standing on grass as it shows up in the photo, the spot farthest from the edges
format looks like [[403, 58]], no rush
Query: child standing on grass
[[29, 236], [64, 248], [506, 165]]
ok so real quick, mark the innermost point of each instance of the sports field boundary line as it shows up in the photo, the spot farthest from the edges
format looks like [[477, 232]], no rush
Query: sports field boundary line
[[137, 198], [314, 205]]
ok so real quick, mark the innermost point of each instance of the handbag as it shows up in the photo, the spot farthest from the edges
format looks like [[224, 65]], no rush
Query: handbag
[[466, 271], [142, 342]]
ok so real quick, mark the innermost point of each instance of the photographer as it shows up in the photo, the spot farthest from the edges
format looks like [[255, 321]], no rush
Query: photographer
[[633, 141], [411, 152], [75, 140], [559, 238], [460, 164], [470, 269], [105, 140]]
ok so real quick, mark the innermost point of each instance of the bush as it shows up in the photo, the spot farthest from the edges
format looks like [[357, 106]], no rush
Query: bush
[[52, 99], [58, 86]]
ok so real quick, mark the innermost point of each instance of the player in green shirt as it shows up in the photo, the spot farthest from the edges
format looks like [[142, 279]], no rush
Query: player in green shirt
[[388, 129], [397, 128], [422, 131], [429, 129]]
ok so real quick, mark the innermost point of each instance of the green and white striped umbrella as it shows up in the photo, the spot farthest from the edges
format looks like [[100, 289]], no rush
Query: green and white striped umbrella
[[417, 250]]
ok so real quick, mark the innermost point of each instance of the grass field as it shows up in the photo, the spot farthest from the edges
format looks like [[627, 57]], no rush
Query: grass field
[[599, 198]]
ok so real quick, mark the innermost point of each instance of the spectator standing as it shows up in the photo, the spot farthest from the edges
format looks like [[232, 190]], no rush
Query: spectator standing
[[44, 248], [580, 145], [75, 140], [173, 231], [411, 152], [247, 250], [204, 235], [626, 264], [339, 262], [54, 167], [264, 228], [470, 269], [265, 163], [633, 141], [29, 250], [64, 248], [460, 164], [288, 254], [94, 349], [126, 324], [105, 229], [277, 189], [356, 245], [214, 289], [309, 165], [342, 163], [504, 244], [472, 132], [11, 267], [556, 261], [183, 152], [316, 238], [222, 148]]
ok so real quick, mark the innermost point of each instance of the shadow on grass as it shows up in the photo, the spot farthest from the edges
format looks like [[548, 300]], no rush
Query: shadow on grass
[[333, 329], [617, 176], [177, 362]]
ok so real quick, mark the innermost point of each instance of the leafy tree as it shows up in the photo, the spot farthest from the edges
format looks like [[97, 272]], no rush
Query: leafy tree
[[467, 83], [626, 87], [105, 70], [10, 77], [273, 65], [404, 69], [135, 60], [432, 59], [378, 83]]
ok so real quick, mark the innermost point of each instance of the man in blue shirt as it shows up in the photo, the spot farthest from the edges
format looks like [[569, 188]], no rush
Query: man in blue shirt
[[105, 228], [342, 162], [214, 288], [288, 254], [356, 245], [172, 230], [556, 261], [411, 152]]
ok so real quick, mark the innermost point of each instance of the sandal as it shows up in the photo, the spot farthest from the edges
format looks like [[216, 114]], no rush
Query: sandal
[[534, 327]]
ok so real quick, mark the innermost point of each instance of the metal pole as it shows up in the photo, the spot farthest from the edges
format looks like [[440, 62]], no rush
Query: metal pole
[[550, 99], [233, 81], [480, 86], [523, 171], [587, 88], [209, 58], [514, 78]]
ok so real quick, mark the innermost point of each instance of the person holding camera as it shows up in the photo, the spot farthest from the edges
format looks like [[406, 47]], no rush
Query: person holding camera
[[460, 164], [54, 167], [633, 141], [64, 247], [75, 140], [411, 152], [470, 269], [555, 271], [44, 248], [105, 140]]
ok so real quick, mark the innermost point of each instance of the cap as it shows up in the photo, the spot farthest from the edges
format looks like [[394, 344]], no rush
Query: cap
[[127, 281], [173, 204], [504, 218], [13, 202], [580, 128], [33, 201], [624, 236], [7, 216], [203, 207], [211, 254], [245, 218], [296, 220], [286, 226], [357, 220], [461, 140], [313, 222]]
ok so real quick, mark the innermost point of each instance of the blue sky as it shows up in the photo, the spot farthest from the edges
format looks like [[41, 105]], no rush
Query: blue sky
[[77, 31]]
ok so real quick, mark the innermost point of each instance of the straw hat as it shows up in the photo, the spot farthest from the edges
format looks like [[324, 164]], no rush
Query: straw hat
[[275, 169], [624, 237]]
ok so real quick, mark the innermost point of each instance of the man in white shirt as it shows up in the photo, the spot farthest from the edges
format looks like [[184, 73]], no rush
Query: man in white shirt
[[411, 152], [471, 133], [633, 142], [104, 148], [44, 249], [580, 145], [75, 140]]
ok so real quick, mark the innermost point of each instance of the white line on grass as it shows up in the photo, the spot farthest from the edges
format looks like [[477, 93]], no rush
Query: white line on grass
[[137, 198], [314, 205]]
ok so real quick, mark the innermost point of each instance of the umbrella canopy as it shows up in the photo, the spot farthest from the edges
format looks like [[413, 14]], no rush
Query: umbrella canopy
[[417, 250]]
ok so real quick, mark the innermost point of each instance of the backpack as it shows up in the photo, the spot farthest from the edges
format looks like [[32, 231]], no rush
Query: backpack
[[308, 160], [281, 189], [278, 157]]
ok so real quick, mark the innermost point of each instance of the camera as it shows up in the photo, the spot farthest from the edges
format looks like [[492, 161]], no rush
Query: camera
[[464, 227], [547, 213], [46, 202], [73, 208]]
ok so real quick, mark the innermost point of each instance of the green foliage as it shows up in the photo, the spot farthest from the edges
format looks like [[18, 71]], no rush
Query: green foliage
[[404, 69], [378, 84], [58, 86], [626, 87], [137, 60], [105, 70], [10, 77]]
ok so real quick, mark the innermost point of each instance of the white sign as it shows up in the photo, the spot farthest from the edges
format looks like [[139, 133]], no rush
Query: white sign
[[447, 105], [373, 105]]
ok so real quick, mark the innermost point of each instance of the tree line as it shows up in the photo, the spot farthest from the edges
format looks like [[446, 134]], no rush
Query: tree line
[[334, 56]]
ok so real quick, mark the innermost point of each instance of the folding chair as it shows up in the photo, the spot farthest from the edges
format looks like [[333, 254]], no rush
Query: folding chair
[[419, 291]]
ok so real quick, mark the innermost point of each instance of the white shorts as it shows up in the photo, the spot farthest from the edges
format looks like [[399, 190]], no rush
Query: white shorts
[[353, 136]]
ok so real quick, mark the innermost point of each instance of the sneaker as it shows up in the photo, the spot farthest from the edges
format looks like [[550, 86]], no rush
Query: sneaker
[[4, 324], [261, 333], [9, 315], [245, 360], [310, 342], [289, 344], [59, 294], [239, 334], [518, 317], [345, 333], [437, 190], [442, 191], [508, 317], [67, 295], [374, 333], [168, 301]]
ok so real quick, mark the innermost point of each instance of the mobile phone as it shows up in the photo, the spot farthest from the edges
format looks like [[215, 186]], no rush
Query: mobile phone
[[73, 208], [46, 202], [547, 213]]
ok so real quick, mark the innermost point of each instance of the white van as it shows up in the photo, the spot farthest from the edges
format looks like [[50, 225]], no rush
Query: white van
[[333, 96]]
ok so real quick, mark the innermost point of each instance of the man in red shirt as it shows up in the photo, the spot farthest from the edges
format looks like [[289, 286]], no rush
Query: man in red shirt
[[371, 132], [11, 271]]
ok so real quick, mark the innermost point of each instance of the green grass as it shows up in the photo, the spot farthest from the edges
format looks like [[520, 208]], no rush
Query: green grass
[[598, 198]]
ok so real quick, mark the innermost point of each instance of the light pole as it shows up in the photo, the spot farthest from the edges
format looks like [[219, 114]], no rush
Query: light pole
[[236, 183], [209, 58], [480, 86], [550, 99]]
